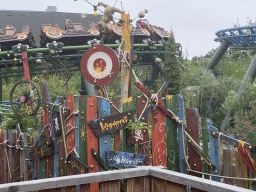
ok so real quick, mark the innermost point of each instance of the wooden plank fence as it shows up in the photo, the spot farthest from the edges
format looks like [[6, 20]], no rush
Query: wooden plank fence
[[65, 133]]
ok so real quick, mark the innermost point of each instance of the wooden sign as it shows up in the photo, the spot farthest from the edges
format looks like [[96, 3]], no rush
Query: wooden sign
[[45, 150], [111, 123], [121, 159], [57, 124], [76, 166], [135, 137]]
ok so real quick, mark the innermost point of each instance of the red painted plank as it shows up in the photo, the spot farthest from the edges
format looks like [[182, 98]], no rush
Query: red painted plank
[[92, 140], [70, 126], [117, 137], [158, 138], [192, 129]]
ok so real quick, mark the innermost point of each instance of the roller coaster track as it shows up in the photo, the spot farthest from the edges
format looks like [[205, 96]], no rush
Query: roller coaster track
[[12, 66], [240, 37]]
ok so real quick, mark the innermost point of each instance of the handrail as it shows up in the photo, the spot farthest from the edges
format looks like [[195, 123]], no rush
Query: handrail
[[157, 172]]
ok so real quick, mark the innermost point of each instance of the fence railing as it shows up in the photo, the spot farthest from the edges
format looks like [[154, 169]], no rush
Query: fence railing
[[144, 178]]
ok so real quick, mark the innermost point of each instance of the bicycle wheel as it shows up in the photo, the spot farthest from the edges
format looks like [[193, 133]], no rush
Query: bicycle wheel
[[25, 98]]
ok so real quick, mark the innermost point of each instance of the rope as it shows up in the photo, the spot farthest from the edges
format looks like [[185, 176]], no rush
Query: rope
[[62, 127], [74, 113], [8, 163]]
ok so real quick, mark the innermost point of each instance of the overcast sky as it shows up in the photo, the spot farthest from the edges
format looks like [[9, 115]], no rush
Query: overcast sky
[[194, 22]]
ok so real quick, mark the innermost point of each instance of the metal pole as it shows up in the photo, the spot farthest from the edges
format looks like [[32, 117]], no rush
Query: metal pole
[[250, 75], [218, 55]]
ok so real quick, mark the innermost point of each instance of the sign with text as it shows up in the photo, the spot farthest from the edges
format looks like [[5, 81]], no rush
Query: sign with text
[[111, 123], [75, 166], [121, 159], [45, 150]]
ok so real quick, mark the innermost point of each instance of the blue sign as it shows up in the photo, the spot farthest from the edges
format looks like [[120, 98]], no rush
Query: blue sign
[[121, 159]]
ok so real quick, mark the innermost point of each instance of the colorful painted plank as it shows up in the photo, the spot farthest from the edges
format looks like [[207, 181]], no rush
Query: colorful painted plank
[[102, 163], [181, 136], [25, 66], [205, 139], [76, 166], [172, 135], [128, 104], [82, 129], [117, 136], [193, 130], [92, 140], [109, 124], [70, 126], [77, 134], [62, 166], [158, 138], [121, 159], [214, 153], [56, 131]]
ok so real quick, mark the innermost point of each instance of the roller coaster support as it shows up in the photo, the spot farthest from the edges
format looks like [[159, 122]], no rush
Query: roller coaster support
[[218, 55], [250, 75]]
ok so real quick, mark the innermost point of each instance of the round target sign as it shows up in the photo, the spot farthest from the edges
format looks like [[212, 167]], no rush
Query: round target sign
[[99, 65]]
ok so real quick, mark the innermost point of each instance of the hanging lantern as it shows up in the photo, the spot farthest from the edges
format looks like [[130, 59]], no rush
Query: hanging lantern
[[95, 10]]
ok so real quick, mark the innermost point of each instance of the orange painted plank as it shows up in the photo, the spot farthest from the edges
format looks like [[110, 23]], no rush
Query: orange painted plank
[[92, 140], [158, 138]]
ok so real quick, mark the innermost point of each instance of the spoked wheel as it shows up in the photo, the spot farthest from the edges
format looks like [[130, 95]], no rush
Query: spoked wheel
[[25, 98]]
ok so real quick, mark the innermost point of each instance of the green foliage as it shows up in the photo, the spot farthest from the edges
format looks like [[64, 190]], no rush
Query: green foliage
[[135, 125], [172, 67]]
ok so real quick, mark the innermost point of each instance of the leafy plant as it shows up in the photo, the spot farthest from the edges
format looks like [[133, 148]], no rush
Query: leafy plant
[[136, 125]]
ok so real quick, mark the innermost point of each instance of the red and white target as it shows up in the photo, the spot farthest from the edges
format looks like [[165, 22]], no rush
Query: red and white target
[[99, 65]]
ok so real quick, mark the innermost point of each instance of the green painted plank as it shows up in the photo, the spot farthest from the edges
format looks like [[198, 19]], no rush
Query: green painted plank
[[171, 135], [128, 104], [82, 129], [205, 138]]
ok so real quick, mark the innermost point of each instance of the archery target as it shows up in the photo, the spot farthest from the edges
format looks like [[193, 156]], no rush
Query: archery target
[[99, 65]]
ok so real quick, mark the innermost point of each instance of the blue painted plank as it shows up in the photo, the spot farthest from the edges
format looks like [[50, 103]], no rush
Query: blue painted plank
[[214, 153], [77, 135], [121, 159], [105, 140], [56, 159], [181, 139]]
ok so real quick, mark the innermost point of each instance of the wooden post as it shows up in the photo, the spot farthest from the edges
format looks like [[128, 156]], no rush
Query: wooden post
[[214, 153], [205, 139], [193, 130], [171, 134], [125, 69], [228, 169], [241, 171]]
